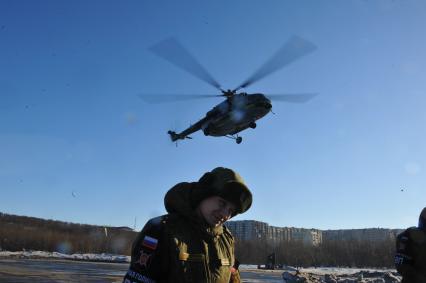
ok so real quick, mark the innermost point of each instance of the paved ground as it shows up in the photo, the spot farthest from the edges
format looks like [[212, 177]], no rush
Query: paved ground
[[35, 270], [47, 271]]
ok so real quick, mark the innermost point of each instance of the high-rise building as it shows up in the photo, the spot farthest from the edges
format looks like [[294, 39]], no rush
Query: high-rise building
[[256, 230]]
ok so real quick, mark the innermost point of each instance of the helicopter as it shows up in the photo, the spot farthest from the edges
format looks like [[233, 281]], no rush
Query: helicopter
[[239, 110]]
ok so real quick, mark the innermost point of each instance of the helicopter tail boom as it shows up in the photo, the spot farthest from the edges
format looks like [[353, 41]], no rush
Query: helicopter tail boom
[[185, 134]]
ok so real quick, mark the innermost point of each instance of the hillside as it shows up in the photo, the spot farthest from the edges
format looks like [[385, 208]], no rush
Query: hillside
[[30, 233]]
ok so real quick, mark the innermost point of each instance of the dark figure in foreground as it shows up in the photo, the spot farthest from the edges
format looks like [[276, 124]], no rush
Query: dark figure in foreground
[[190, 243], [410, 257]]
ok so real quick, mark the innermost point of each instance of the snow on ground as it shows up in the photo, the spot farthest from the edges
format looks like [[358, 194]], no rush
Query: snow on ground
[[56, 255], [341, 270]]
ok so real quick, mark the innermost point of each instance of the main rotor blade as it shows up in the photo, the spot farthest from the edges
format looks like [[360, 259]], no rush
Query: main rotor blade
[[293, 49], [292, 98], [171, 50], [166, 98]]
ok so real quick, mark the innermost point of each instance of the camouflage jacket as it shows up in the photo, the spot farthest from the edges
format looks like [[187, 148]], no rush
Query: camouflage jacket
[[178, 247]]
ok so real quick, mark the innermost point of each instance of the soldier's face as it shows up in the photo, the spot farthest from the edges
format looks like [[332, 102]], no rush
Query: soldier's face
[[216, 210]]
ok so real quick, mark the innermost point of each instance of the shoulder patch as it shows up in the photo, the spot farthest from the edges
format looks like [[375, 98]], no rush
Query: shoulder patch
[[150, 242], [145, 247]]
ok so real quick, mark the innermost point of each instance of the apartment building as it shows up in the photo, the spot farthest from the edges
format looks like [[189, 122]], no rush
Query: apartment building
[[251, 229]]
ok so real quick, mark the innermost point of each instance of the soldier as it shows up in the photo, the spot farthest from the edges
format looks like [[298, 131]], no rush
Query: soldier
[[190, 243], [410, 257]]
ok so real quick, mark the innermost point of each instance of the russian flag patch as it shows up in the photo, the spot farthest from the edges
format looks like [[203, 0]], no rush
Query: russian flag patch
[[150, 242]]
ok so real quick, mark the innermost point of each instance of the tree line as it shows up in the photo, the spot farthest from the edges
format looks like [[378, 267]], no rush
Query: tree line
[[344, 253]]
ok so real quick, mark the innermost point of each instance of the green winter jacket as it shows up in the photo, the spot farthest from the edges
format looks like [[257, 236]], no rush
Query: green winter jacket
[[179, 247]]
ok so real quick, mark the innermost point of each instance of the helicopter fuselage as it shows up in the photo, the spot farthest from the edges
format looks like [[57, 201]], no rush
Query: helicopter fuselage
[[230, 117], [236, 114]]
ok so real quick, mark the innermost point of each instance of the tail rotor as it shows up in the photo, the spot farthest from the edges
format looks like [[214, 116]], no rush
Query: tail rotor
[[173, 136]]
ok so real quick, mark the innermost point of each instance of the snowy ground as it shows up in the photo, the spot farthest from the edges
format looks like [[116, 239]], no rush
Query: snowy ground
[[324, 275]]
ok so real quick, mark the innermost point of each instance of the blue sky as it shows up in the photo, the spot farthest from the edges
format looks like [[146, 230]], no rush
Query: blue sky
[[77, 144]]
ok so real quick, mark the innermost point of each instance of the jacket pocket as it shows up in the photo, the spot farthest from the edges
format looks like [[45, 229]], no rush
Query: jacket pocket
[[193, 267]]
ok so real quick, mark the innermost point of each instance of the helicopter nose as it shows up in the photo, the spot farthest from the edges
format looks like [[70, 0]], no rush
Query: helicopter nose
[[264, 104], [267, 103]]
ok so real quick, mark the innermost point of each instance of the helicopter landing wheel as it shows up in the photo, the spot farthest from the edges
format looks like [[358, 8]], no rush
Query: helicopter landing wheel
[[239, 140], [252, 125]]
